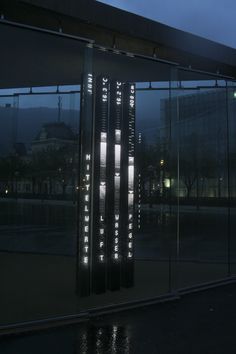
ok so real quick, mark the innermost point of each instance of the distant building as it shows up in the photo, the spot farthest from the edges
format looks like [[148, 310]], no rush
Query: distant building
[[202, 142], [54, 135], [49, 170]]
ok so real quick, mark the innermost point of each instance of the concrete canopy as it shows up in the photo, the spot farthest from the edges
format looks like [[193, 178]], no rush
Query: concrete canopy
[[30, 58], [36, 51]]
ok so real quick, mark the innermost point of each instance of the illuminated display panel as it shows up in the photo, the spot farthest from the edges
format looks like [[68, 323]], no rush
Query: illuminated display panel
[[106, 223], [102, 197], [100, 185], [85, 190], [114, 180], [116, 244], [118, 118], [139, 183], [128, 185], [131, 119]]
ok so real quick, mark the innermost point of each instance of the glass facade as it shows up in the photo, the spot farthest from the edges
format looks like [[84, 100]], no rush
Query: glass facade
[[38, 217], [116, 190], [202, 189]]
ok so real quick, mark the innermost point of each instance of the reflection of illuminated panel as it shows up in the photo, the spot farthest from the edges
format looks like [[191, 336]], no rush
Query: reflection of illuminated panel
[[100, 185], [114, 163], [103, 339], [128, 166], [86, 119]]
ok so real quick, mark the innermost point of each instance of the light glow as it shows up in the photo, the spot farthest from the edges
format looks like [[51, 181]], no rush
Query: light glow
[[167, 182]]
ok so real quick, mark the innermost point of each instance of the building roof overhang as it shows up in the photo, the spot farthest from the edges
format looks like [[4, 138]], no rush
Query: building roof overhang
[[57, 48]]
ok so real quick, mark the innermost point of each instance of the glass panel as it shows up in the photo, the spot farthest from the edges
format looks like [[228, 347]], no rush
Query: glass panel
[[125, 86], [152, 144], [202, 191], [38, 204], [232, 175]]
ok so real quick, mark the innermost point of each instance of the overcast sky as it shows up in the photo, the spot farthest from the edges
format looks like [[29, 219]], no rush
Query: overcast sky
[[213, 19]]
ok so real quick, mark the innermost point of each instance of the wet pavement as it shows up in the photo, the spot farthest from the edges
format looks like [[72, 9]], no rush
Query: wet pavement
[[201, 323]]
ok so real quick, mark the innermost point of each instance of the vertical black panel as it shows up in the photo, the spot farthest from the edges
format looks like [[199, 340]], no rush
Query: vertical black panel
[[138, 168], [106, 223], [124, 181], [113, 187], [100, 185], [85, 178], [127, 201]]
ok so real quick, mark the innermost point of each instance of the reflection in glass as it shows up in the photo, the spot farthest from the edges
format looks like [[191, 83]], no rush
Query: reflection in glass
[[38, 197], [200, 146]]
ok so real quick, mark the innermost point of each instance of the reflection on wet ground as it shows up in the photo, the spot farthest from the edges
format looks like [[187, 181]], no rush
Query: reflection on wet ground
[[198, 323]]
